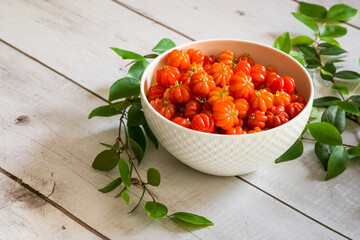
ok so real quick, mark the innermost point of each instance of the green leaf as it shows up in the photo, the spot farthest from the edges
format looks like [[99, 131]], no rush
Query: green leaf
[[335, 116], [155, 210], [324, 72], [355, 98], [283, 43], [153, 55], [298, 57], [308, 51], [334, 61], [325, 133], [124, 172], [127, 54], [137, 150], [108, 110], [347, 75], [164, 45], [341, 12], [354, 151], [307, 21], [302, 40], [333, 31], [328, 71], [125, 196], [295, 151], [124, 87], [119, 194], [324, 101], [312, 63], [330, 67], [330, 49], [136, 71], [110, 146], [111, 186], [150, 135], [314, 114], [337, 163], [136, 134], [106, 160], [331, 41], [323, 152], [137, 102], [347, 106], [153, 177], [192, 218], [341, 88], [313, 10], [135, 116]]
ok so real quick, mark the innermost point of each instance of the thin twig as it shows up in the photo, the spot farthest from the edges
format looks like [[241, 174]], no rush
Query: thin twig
[[137, 173]]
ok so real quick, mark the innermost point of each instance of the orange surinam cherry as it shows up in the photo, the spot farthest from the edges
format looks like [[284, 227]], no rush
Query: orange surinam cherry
[[241, 86], [221, 73], [178, 59], [219, 94], [225, 114], [281, 98], [226, 57], [262, 100]]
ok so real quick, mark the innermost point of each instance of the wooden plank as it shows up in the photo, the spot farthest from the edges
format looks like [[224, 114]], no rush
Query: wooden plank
[[79, 41], [236, 19], [69, 34], [26, 216], [53, 142]]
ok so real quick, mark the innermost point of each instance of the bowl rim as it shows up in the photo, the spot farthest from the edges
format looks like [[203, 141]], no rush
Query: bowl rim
[[191, 131]]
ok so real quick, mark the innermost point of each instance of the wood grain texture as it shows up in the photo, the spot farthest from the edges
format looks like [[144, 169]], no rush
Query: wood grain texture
[[56, 144], [74, 37], [236, 19], [61, 34], [25, 216]]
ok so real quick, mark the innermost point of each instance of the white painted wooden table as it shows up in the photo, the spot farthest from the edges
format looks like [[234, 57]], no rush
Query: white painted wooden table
[[55, 67]]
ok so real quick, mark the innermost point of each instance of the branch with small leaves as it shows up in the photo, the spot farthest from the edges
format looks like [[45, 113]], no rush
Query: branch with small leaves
[[130, 143], [321, 52]]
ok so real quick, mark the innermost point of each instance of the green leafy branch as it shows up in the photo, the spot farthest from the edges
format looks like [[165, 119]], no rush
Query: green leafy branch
[[130, 144], [320, 52]]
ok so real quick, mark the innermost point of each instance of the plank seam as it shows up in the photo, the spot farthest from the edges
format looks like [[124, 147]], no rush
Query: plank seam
[[293, 208], [54, 204], [52, 69]]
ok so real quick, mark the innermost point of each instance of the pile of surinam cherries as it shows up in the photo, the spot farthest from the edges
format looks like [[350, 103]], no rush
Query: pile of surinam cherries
[[224, 94]]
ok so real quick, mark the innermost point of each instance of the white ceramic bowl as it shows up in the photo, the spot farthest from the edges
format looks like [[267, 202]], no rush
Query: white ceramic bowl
[[229, 155]]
